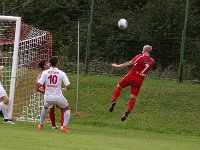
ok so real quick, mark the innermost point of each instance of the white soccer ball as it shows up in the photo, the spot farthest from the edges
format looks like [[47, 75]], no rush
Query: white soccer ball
[[122, 23]]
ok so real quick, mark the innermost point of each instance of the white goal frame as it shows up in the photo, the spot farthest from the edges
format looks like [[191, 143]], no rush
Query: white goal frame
[[14, 62], [23, 47]]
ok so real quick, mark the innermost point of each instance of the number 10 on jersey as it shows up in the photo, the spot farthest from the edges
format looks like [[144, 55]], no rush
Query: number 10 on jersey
[[53, 79]]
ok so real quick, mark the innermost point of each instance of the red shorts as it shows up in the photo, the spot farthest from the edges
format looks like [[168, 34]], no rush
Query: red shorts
[[134, 82]]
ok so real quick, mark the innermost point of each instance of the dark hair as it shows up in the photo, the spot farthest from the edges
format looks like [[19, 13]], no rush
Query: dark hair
[[42, 64], [54, 61]]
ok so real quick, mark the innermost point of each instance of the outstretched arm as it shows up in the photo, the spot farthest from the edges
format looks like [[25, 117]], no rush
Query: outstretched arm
[[126, 64]]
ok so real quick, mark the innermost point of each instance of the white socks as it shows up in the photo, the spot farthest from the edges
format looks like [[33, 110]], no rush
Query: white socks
[[66, 117], [43, 115], [5, 112], [2, 105]]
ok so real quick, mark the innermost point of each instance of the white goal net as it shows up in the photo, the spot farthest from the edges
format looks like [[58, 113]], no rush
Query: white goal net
[[23, 47]]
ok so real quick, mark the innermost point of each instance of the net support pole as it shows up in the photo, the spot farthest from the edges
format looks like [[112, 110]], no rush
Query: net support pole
[[14, 66], [3, 11], [180, 75], [78, 69]]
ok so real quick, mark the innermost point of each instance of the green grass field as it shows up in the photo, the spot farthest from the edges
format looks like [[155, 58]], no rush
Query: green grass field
[[166, 117], [84, 137]]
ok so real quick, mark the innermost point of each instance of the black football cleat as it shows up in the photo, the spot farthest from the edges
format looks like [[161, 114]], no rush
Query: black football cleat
[[1, 113], [112, 105], [125, 116], [8, 121]]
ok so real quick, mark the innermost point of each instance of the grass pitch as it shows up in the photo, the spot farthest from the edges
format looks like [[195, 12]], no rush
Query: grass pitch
[[166, 117], [162, 105], [23, 136]]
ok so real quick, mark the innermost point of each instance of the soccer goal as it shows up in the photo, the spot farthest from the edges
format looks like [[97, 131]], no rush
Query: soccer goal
[[23, 47]]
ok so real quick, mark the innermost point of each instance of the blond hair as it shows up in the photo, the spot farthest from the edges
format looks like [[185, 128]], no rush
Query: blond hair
[[147, 48]]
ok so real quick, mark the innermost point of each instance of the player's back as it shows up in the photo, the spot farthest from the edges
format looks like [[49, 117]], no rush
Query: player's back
[[143, 64], [53, 81]]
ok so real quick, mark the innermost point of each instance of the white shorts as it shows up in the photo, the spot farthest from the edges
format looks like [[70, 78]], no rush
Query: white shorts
[[61, 102], [2, 91]]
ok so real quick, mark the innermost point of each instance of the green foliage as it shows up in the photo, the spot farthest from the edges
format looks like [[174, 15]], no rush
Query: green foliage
[[155, 22]]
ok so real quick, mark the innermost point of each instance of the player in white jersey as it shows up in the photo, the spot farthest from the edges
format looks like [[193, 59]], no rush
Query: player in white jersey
[[53, 78], [4, 98]]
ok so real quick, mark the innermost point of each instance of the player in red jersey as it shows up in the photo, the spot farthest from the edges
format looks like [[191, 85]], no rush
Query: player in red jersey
[[142, 64], [44, 66]]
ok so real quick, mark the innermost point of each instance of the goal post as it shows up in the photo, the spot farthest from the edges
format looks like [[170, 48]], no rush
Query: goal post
[[23, 47], [14, 63]]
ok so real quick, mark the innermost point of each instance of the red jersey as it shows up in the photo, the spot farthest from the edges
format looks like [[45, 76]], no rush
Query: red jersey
[[38, 77], [142, 65]]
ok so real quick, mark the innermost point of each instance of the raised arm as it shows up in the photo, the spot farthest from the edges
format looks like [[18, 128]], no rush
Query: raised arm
[[126, 64]]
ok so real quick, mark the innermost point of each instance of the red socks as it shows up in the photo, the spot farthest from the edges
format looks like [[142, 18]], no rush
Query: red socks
[[131, 104], [52, 116], [116, 93]]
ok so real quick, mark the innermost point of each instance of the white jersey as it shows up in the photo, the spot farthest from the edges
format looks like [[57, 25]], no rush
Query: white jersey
[[53, 78]]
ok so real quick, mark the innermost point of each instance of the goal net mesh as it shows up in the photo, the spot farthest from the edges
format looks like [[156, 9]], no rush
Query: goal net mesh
[[34, 46]]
